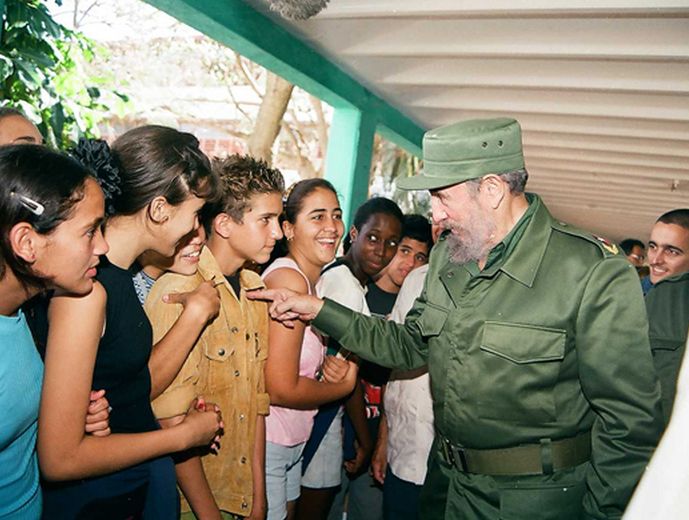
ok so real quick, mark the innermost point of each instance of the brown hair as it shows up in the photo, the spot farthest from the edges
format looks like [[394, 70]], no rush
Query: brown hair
[[157, 160], [240, 177]]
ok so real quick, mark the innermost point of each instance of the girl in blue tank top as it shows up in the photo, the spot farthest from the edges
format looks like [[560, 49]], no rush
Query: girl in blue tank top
[[51, 210]]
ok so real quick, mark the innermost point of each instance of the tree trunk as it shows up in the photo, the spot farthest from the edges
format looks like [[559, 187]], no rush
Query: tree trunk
[[273, 106]]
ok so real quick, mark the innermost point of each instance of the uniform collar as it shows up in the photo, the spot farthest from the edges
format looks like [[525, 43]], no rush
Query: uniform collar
[[210, 270], [523, 262]]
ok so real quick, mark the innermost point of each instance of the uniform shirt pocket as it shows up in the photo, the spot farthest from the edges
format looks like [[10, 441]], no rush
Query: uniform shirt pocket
[[519, 365], [432, 320]]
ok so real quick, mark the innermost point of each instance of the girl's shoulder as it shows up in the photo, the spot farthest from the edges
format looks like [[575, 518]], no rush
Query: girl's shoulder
[[286, 275], [84, 307]]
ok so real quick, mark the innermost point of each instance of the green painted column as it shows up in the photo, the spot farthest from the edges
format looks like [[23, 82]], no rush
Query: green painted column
[[358, 112], [348, 163]]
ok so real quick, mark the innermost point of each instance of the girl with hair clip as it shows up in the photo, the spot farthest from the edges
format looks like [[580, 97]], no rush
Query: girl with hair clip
[[155, 181], [50, 216], [312, 228], [374, 237]]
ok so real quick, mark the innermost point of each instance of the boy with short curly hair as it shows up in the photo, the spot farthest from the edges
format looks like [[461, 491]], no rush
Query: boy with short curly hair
[[226, 364]]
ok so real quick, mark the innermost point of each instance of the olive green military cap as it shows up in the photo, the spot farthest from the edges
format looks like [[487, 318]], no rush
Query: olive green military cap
[[467, 150]]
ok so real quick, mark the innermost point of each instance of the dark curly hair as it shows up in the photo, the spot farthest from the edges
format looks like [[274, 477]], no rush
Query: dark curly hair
[[240, 177]]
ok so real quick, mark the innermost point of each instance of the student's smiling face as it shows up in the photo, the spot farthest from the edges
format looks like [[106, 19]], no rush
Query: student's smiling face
[[668, 251], [318, 228]]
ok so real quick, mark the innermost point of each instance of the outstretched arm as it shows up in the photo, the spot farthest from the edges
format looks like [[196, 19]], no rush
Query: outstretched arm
[[65, 451], [374, 339]]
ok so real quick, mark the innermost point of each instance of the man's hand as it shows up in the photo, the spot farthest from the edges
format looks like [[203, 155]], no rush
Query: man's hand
[[288, 305], [98, 415]]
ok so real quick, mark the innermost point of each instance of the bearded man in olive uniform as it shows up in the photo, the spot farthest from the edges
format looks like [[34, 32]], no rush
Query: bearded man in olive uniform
[[546, 401]]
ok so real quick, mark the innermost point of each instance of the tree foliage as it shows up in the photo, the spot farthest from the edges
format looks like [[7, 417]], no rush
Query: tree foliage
[[41, 73]]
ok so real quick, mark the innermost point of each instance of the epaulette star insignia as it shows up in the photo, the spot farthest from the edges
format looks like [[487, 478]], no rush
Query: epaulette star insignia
[[609, 246]]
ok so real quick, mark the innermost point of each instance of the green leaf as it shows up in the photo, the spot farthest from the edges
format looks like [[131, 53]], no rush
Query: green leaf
[[42, 71], [57, 119], [6, 67], [39, 56]]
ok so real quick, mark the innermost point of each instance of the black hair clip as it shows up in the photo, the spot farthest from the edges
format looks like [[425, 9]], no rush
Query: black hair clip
[[95, 154]]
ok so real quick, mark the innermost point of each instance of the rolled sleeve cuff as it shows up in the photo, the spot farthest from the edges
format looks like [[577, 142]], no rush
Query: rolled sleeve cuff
[[333, 319], [173, 402], [263, 404]]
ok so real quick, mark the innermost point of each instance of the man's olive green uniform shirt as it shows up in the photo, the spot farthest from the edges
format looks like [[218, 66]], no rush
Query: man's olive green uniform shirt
[[548, 341], [668, 320]]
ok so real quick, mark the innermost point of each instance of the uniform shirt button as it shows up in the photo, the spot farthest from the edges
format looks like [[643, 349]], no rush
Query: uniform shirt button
[[244, 505], [221, 352], [236, 373], [450, 274], [234, 330], [243, 460], [241, 417]]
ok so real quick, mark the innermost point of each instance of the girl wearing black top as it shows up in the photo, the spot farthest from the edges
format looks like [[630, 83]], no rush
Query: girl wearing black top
[[155, 180]]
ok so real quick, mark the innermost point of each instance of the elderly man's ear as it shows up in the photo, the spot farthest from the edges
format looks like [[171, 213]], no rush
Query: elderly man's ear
[[495, 190]]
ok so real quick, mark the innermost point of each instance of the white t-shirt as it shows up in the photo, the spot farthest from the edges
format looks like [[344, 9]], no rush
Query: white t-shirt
[[407, 401], [341, 286]]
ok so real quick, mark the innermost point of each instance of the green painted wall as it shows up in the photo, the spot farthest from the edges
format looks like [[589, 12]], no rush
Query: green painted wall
[[358, 112]]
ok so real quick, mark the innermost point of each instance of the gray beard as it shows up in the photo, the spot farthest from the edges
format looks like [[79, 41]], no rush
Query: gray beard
[[467, 246]]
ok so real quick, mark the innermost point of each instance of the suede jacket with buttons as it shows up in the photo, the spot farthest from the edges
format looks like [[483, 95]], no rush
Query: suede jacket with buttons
[[548, 341], [226, 367]]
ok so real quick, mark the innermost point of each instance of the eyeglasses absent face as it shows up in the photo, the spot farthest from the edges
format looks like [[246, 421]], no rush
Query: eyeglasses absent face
[[668, 251]]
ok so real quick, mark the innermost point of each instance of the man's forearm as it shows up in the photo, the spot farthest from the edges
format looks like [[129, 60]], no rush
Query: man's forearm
[[374, 339]]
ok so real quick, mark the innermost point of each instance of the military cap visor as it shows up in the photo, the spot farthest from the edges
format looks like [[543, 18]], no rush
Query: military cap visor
[[467, 150]]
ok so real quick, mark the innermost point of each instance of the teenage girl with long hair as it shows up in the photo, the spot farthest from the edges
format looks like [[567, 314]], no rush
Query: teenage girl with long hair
[[312, 228], [374, 236], [50, 215], [155, 180]]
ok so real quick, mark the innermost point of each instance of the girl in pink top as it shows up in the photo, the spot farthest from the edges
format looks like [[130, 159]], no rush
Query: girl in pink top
[[313, 228]]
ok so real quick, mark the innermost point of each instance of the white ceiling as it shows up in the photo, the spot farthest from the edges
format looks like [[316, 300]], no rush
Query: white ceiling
[[601, 88]]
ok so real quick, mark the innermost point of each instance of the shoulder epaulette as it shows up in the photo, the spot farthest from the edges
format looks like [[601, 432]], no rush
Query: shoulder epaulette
[[607, 247]]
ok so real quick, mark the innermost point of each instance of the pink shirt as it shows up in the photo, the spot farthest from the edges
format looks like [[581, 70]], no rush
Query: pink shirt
[[287, 426]]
